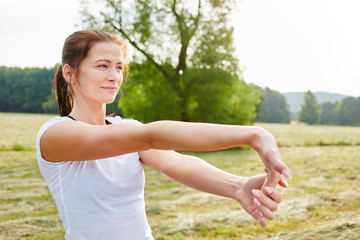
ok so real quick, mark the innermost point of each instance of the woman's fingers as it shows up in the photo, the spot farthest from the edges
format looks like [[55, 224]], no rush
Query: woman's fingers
[[286, 173], [258, 215], [267, 212], [273, 194], [272, 179], [267, 203], [283, 182], [262, 220]]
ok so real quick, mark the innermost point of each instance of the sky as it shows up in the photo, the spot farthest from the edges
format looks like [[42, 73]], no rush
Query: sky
[[286, 45]]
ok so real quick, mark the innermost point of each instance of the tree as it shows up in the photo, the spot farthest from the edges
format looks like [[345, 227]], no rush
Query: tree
[[10, 81], [273, 107], [349, 112], [205, 99], [174, 40], [50, 105], [310, 111], [329, 113]]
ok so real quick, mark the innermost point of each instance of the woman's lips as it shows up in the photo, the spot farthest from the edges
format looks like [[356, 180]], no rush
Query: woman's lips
[[110, 89]]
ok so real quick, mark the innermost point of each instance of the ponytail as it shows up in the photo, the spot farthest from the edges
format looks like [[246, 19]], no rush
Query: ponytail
[[64, 96]]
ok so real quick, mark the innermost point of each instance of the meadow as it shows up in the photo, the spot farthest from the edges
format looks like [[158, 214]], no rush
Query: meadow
[[322, 201]]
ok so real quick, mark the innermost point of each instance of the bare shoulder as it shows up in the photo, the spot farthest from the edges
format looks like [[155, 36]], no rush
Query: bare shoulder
[[58, 135], [78, 141]]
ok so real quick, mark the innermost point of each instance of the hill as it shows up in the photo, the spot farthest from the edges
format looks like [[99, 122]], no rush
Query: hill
[[295, 99]]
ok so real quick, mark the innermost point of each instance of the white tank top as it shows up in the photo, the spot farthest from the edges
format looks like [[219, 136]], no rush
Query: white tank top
[[98, 199]]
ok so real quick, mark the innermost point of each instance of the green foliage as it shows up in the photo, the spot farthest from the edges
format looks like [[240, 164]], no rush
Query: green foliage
[[147, 96], [329, 113], [273, 107], [211, 95], [214, 95], [113, 108], [213, 47], [24, 90], [310, 111], [30, 90], [349, 112], [50, 105], [346, 112]]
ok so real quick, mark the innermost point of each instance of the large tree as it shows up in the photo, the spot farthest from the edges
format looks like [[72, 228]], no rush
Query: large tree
[[181, 45], [310, 110]]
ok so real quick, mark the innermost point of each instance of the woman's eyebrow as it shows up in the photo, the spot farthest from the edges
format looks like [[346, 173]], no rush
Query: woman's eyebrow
[[107, 60]]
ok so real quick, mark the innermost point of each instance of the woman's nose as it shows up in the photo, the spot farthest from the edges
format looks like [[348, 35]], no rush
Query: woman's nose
[[114, 75]]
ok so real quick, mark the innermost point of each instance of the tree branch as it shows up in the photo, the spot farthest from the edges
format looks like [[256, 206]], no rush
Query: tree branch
[[133, 43], [197, 19], [186, 33]]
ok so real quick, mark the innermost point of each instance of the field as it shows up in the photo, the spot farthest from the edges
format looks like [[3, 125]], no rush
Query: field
[[322, 201]]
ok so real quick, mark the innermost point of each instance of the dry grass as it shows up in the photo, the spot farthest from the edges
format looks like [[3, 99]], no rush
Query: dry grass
[[299, 134], [19, 131], [322, 201]]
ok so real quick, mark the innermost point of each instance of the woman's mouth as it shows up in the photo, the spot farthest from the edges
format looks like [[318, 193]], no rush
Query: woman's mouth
[[110, 89]]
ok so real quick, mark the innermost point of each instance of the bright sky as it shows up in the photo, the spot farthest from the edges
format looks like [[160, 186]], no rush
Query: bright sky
[[286, 45]]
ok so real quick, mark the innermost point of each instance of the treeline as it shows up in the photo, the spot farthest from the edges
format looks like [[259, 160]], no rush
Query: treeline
[[25, 89], [29, 90], [273, 107], [344, 113]]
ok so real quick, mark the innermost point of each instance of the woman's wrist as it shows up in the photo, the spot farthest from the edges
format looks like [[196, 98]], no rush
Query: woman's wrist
[[257, 137], [238, 188]]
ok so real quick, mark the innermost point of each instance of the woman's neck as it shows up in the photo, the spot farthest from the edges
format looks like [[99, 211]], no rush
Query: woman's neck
[[89, 113]]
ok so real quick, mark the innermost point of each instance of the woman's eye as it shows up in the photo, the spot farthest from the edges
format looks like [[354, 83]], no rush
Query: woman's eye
[[119, 68], [102, 66]]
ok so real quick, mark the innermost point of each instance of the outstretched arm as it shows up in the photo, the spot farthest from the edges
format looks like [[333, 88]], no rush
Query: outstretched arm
[[77, 141], [198, 174]]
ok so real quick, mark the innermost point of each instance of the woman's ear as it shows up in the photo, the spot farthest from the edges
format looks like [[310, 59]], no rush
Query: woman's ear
[[68, 73]]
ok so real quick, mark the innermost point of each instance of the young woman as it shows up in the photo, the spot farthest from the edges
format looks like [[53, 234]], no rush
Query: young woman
[[93, 163]]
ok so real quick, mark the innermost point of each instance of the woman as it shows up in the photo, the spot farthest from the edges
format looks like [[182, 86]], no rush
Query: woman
[[93, 163]]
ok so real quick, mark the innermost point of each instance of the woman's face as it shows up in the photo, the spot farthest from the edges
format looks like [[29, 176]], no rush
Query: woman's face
[[100, 73]]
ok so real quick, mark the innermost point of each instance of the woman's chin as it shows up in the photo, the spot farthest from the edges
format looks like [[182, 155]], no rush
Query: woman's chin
[[109, 100]]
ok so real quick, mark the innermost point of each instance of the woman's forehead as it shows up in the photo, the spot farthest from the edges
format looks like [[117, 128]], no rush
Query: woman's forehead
[[105, 50]]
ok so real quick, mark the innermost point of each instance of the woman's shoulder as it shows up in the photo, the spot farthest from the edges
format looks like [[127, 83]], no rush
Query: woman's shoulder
[[56, 119], [53, 121]]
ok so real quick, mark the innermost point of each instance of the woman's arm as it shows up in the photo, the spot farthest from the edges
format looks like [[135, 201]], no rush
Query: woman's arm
[[77, 141], [191, 171], [196, 173]]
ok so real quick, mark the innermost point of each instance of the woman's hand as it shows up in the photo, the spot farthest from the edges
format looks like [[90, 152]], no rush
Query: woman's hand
[[265, 144], [261, 205]]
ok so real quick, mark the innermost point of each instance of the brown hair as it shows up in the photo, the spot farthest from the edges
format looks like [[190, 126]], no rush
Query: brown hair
[[75, 49]]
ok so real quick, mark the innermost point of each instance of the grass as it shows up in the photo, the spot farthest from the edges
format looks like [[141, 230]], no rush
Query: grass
[[19, 131], [297, 135], [322, 201]]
